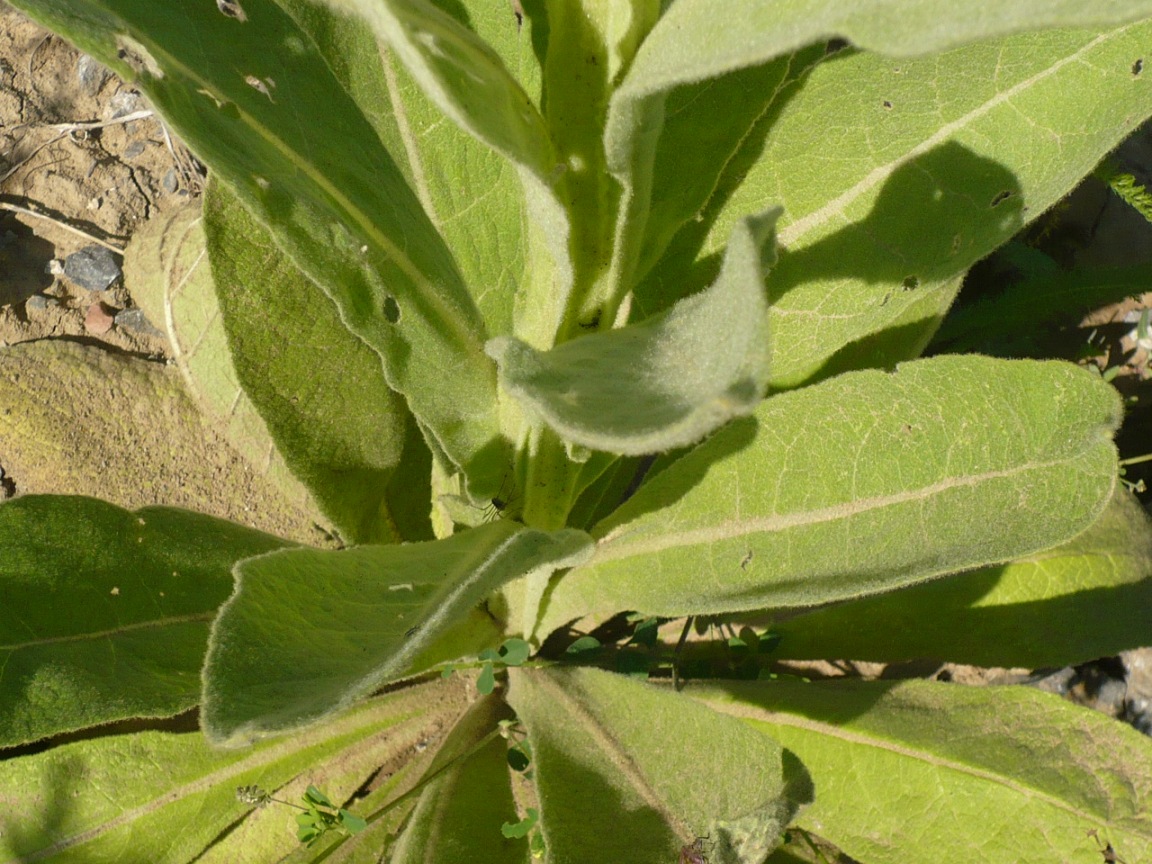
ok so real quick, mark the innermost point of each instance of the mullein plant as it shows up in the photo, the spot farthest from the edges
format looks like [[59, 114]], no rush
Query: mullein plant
[[571, 316]]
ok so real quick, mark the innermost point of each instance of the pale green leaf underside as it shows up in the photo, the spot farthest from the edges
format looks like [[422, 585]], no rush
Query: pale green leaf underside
[[610, 750], [310, 631], [867, 482], [164, 798], [986, 773], [106, 611], [301, 154], [1031, 613], [321, 390], [666, 382]]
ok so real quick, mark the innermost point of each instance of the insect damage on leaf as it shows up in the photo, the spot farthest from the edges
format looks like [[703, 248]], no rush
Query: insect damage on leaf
[[232, 9]]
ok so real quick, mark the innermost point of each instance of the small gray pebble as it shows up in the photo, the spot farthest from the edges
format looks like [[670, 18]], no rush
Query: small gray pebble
[[133, 319], [1110, 695], [36, 303], [1056, 682], [134, 149], [93, 267], [90, 74], [1138, 712], [170, 182], [124, 102]]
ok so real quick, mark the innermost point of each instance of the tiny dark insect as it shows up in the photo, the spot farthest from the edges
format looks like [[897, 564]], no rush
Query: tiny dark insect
[[693, 853], [1106, 849]]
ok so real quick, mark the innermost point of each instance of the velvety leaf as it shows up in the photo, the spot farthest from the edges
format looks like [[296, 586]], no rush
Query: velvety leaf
[[309, 631], [864, 483], [459, 814], [164, 798], [329, 192], [471, 193], [106, 611], [702, 39], [697, 39], [321, 390], [1087, 598], [471, 85], [166, 270], [926, 167], [903, 771], [75, 419], [609, 750], [666, 382]]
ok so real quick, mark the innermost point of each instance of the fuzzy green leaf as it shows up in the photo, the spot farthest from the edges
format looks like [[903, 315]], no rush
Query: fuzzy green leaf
[[609, 750], [666, 382], [943, 465], [459, 814], [106, 611], [167, 273], [928, 165], [327, 189], [321, 390], [1030, 613], [167, 798], [906, 770], [470, 83], [471, 193], [309, 631]]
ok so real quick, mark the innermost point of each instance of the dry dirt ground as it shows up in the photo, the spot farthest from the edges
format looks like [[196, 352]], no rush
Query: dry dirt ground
[[83, 163]]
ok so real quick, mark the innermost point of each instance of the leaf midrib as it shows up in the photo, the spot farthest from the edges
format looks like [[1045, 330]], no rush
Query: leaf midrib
[[793, 232], [440, 316], [614, 545]]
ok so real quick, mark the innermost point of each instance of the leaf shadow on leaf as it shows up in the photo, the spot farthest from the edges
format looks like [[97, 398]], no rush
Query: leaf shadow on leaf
[[880, 350], [929, 206], [761, 99], [638, 835], [58, 789], [940, 621], [727, 441], [933, 206]]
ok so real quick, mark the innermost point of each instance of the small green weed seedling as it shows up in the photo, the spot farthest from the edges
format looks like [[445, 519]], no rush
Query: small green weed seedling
[[571, 320]]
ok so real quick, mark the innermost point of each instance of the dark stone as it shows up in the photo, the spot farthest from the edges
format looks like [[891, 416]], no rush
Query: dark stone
[[93, 267]]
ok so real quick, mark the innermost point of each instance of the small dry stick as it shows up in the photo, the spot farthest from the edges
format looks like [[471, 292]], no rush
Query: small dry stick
[[66, 129], [24, 211]]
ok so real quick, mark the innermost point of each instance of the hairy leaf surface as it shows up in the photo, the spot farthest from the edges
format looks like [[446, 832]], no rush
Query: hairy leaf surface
[[322, 391], [609, 750], [916, 169], [867, 482], [666, 382], [166, 269], [165, 798], [106, 611], [1034, 612], [309, 631], [328, 190], [903, 771]]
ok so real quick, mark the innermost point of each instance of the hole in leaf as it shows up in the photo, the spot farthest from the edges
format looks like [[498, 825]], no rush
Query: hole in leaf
[[1138, 66], [232, 9], [391, 310], [910, 282], [1001, 198]]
